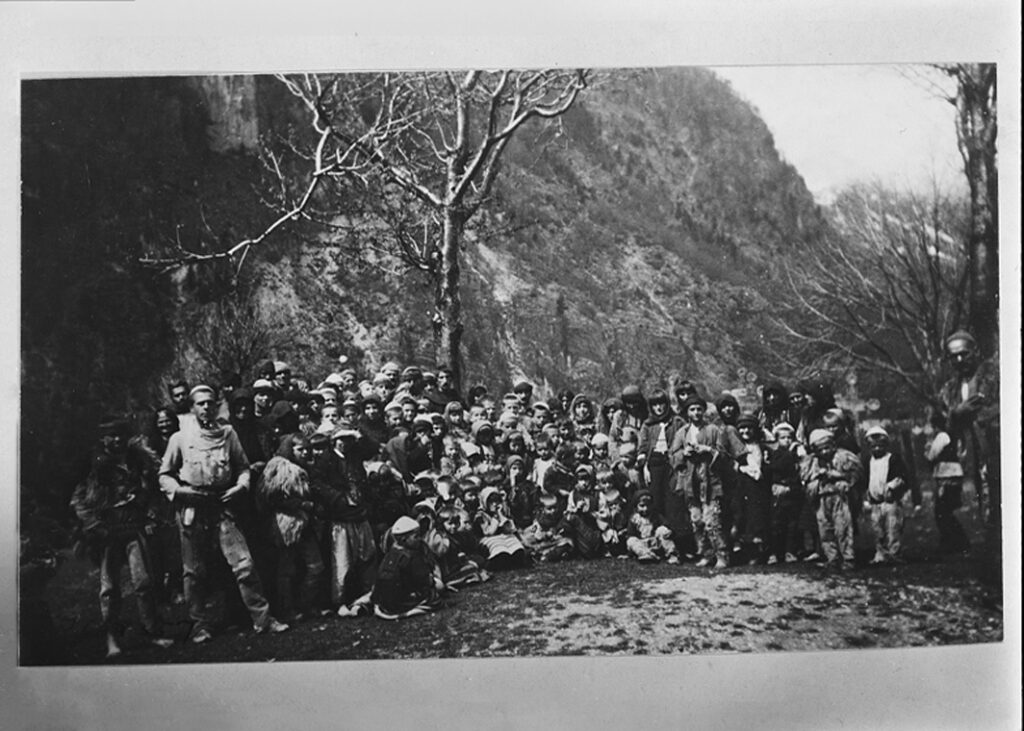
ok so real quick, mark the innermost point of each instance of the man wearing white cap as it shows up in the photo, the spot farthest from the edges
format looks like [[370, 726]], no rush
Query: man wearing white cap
[[830, 474]]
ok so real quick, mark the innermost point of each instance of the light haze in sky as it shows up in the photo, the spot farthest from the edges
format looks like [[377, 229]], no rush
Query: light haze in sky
[[839, 125]]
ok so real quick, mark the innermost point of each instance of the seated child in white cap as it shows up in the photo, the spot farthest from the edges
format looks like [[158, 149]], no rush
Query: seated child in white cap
[[647, 538], [406, 584]]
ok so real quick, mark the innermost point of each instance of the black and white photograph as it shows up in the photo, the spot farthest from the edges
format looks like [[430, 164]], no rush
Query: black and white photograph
[[556, 366]]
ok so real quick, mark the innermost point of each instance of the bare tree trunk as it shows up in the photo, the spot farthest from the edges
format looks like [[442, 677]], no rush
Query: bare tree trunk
[[448, 324], [976, 131]]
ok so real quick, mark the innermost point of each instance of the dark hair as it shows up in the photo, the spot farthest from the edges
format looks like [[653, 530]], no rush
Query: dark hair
[[168, 412], [230, 379], [476, 392], [566, 453], [658, 396], [180, 383], [685, 388]]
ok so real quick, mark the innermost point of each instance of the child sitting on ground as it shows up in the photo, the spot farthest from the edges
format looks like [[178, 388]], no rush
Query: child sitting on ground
[[580, 519], [545, 458], [559, 479], [520, 492], [405, 585], [647, 538], [453, 463], [628, 475], [611, 517], [498, 533], [458, 568], [544, 538]]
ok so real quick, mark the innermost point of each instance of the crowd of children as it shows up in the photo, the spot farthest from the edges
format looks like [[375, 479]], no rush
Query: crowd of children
[[384, 494]]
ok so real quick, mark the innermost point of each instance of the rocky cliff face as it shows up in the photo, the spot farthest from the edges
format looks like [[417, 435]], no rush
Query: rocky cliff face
[[636, 237]]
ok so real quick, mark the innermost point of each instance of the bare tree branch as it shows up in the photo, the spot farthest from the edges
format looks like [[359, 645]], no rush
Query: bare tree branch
[[883, 293]]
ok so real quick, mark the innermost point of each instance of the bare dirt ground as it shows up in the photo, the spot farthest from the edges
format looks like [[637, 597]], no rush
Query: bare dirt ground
[[608, 607]]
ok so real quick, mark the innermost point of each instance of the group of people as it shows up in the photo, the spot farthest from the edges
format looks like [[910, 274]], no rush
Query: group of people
[[385, 494]]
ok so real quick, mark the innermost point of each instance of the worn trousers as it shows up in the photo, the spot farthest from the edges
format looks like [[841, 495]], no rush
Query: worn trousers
[[785, 522], [887, 523], [198, 542], [302, 558], [118, 549], [949, 497], [835, 526], [706, 518], [659, 545], [353, 561]]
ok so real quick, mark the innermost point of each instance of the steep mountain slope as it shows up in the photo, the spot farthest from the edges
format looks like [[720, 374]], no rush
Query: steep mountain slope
[[637, 236]]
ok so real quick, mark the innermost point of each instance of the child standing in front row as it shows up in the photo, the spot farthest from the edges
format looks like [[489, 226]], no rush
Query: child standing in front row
[[830, 474], [695, 453], [787, 495], [886, 484], [544, 538]]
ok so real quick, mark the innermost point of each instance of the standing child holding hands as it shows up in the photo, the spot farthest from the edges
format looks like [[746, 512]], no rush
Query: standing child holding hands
[[695, 454]]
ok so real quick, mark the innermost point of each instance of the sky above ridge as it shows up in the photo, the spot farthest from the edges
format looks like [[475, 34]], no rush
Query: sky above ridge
[[845, 124]]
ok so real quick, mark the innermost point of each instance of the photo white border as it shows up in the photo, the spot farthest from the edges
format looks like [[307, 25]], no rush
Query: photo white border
[[950, 687]]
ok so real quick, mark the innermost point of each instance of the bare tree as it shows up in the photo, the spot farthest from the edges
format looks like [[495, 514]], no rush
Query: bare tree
[[886, 289], [973, 94], [976, 130], [233, 334], [420, 152], [428, 148]]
